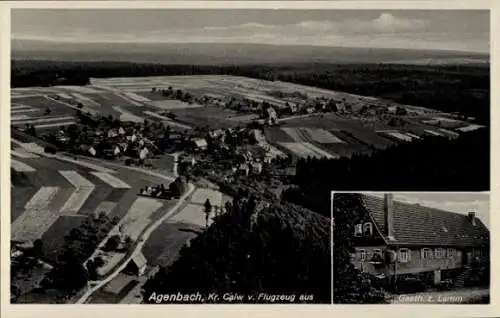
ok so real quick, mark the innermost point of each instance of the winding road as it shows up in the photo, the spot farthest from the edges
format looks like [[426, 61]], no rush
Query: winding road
[[96, 285], [142, 240]]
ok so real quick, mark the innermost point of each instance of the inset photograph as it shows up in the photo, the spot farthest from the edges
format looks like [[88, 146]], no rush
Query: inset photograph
[[411, 248]]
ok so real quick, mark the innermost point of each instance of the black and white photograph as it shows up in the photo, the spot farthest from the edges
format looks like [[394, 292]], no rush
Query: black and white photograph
[[187, 156], [411, 248]]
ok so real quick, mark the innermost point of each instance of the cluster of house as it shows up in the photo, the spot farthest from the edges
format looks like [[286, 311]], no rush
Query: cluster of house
[[251, 165], [157, 191], [410, 240], [117, 142]]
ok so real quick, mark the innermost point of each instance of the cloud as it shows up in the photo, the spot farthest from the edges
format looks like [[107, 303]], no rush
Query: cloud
[[386, 22], [384, 31]]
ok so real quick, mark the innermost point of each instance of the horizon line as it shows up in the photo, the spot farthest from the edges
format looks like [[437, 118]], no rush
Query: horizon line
[[248, 43]]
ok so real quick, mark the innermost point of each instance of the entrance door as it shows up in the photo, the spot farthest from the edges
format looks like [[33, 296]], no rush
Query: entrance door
[[466, 257]]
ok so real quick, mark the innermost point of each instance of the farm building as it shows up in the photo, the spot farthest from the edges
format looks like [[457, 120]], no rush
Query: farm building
[[199, 144], [137, 265], [437, 244], [272, 116]]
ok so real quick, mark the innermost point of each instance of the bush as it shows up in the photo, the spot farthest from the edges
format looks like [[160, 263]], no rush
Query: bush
[[445, 285], [410, 285], [50, 149]]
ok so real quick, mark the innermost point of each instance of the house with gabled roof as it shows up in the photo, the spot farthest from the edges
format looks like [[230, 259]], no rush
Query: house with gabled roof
[[402, 239], [137, 265]]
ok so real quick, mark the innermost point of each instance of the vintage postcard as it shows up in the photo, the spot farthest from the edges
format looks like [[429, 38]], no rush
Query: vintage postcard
[[181, 153]]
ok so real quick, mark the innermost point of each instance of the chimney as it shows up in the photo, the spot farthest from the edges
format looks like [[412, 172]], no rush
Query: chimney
[[388, 215], [472, 218]]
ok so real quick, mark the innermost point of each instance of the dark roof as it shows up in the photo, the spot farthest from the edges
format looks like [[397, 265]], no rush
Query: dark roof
[[419, 225]]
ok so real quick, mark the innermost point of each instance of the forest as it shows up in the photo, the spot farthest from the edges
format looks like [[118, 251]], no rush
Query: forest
[[254, 248], [458, 88], [431, 164]]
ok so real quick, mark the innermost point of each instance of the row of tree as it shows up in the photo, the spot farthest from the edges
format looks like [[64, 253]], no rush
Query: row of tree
[[431, 164]]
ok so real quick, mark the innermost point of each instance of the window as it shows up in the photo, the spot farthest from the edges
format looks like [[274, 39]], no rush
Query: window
[[426, 253], [450, 252], [362, 255], [368, 229], [439, 252], [377, 256], [358, 230], [404, 255]]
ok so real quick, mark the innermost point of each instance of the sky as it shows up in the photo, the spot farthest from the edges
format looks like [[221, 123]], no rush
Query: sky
[[454, 202], [417, 29]]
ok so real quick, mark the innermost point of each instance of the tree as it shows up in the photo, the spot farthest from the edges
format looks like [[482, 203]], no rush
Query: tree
[[37, 248], [288, 252], [112, 243], [208, 211], [350, 285]]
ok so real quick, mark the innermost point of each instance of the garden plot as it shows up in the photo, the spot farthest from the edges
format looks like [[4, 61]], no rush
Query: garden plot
[[139, 216], [435, 120], [432, 132], [128, 116], [322, 136], [201, 195], [22, 153], [170, 104], [471, 127], [397, 135], [305, 149], [65, 96], [137, 98], [42, 120], [19, 117], [84, 99], [445, 122], [215, 117], [166, 120], [79, 89], [449, 133], [83, 190], [412, 135], [191, 214], [112, 181], [20, 166], [27, 226]]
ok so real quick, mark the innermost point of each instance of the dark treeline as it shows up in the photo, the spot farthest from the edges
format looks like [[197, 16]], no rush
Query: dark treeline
[[462, 88], [432, 164], [254, 248]]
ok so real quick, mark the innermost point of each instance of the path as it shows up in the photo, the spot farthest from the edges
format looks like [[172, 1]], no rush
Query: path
[[142, 240]]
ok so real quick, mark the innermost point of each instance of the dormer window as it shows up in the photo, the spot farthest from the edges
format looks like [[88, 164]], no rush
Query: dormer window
[[368, 229], [358, 230]]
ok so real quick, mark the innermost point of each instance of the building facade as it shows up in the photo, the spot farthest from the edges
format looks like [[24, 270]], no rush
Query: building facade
[[396, 238]]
